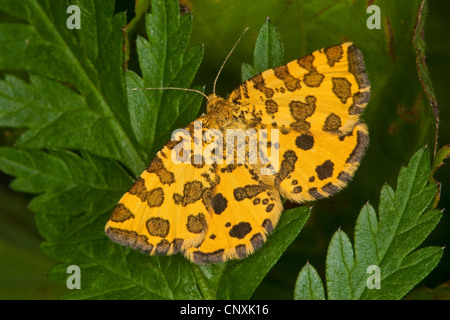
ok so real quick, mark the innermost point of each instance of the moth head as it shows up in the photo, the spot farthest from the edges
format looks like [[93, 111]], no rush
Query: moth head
[[219, 110]]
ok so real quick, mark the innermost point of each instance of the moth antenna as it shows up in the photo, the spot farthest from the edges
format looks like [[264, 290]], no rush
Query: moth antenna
[[173, 88], [223, 64]]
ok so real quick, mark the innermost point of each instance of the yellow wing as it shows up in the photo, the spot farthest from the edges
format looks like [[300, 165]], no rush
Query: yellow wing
[[313, 167], [316, 103], [325, 91], [244, 211], [166, 210], [215, 212]]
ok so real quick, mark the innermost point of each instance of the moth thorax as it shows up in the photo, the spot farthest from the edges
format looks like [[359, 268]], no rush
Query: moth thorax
[[220, 110]]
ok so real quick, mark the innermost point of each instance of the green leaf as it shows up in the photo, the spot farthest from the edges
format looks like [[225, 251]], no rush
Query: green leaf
[[269, 51], [387, 240], [164, 62], [422, 70], [132, 28], [139, 277], [309, 285], [77, 181], [73, 190], [241, 278], [76, 82], [78, 100], [442, 155], [411, 271], [340, 263]]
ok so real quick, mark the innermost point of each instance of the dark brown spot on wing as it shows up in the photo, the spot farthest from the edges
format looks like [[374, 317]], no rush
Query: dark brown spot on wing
[[287, 166], [228, 168], [206, 197], [138, 189], [271, 106], [158, 227], [121, 213], [155, 197], [157, 167], [219, 203], [332, 122], [260, 85], [192, 192], [304, 141], [291, 83], [301, 125], [334, 54], [325, 170], [240, 230], [248, 192], [196, 224], [342, 88], [297, 190], [312, 78], [301, 111]]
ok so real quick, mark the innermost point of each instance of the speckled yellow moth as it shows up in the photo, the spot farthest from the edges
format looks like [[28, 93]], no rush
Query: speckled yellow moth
[[213, 212]]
